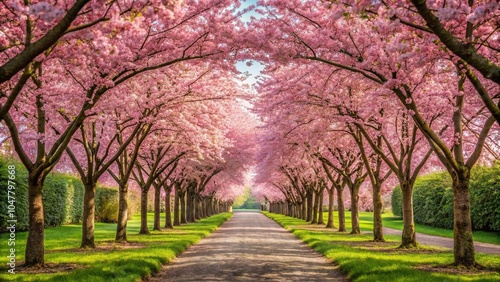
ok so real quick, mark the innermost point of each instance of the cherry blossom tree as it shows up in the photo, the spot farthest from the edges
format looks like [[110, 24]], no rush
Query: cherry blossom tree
[[43, 27], [386, 54], [79, 67]]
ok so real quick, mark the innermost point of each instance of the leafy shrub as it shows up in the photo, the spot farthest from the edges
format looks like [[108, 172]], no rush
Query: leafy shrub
[[432, 204], [485, 197], [106, 204], [397, 201], [62, 197], [433, 199], [21, 195], [134, 203]]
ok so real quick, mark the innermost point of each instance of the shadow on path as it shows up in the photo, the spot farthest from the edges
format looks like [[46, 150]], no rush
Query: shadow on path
[[250, 247]]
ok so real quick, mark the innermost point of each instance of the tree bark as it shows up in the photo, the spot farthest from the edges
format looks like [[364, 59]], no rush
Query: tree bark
[[34, 255], [182, 198], [177, 220], [144, 211], [217, 206], [408, 237], [201, 208], [190, 206], [315, 209], [378, 233], [310, 199], [340, 204], [355, 210], [206, 206], [197, 208], [330, 223], [464, 252], [168, 212], [157, 209], [88, 221], [121, 227], [304, 209], [320, 208]]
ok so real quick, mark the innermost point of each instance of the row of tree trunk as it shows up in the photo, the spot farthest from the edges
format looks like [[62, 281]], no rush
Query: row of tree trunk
[[188, 206], [310, 209]]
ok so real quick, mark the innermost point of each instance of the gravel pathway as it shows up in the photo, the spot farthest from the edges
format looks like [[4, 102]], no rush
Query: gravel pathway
[[250, 247], [425, 239]]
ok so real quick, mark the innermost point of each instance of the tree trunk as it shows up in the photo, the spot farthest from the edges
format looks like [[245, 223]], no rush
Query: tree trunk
[[355, 210], [198, 210], [462, 226], [320, 208], [304, 209], [378, 233], [144, 211], [205, 205], [121, 227], [201, 208], [157, 209], [215, 206], [309, 214], [34, 255], [208, 207], [190, 207], [168, 213], [182, 198], [340, 204], [177, 221], [88, 220], [315, 209], [330, 223], [408, 237]]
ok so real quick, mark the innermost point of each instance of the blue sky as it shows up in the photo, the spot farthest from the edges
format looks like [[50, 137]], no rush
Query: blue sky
[[256, 67]]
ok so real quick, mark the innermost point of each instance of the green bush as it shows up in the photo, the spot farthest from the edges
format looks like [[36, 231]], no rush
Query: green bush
[[134, 203], [62, 196], [21, 195], [62, 199], [433, 199], [432, 204], [397, 201], [106, 205], [485, 197]]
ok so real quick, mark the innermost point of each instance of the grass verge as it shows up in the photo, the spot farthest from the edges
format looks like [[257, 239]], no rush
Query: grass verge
[[144, 255], [362, 260]]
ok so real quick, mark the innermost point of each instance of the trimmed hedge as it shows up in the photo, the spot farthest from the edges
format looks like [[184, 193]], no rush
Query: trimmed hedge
[[433, 199], [397, 201], [106, 209], [21, 195], [485, 196], [62, 199]]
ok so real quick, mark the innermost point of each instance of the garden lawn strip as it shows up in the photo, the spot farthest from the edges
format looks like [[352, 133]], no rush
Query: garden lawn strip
[[142, 256]]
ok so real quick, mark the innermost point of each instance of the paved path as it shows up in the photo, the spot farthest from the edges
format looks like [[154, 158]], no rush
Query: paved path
[[250, 247], [425, 239]]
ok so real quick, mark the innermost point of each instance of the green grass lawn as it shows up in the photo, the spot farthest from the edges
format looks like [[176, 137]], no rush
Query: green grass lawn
[[366, 224], [362, 260], [110, 262]]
